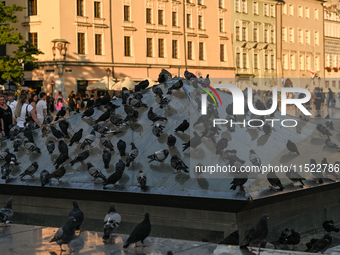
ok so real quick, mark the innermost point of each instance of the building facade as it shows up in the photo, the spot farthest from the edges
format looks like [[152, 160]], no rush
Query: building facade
[[81, 39], [254, 41]]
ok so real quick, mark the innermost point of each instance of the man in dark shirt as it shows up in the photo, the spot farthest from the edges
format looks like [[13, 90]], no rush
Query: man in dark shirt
[[317, 102]]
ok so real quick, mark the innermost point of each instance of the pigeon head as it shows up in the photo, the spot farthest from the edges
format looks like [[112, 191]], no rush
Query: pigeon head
[[112, 208], [35, 164], [289, 141], [53, 128], [81, 130], [252, 152], [61, 141], [63, 108], [71, 222], [7, 150], [95, 127], [140, 172], [75, 204], [9, 203], [89, 165], [174, 157], [93, 132], [166, 152], [147, 216], [264, 217]]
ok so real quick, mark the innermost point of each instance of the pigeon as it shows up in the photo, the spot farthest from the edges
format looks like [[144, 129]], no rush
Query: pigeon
[[140, 233], [57, 174], [104, 130], [60, 114], [313, 167], [62, 147], [154, 117], [116, 176], [283, 237], [14, 131], [267, 129], [295, 176], [292, 147], [88, 112], [4, 154], [183, 126], [18, 142], [104, 117], [274, 181], [165, 99], [132, 116], [81, 157], [57, 133], [10, 158], [6, 213], [232, 239], [50, 147], [257, 233], [121, 145], [164, 76], [141, 178], [138, 96], [124, 94], [327, 168], [176, 86], [31, 147], [29, 135], [95, 173], [76, 137], [111, 107], [239, 180], [178, 164], [221, 145], [254, 159], [189, 76], [111, 222], [332, 145], [132, 155], [329, 122], [48, 119], [44, 177], [328, 226], [157, 90], [136, 103], [30, 170], [323, 130], [45, 129], [128, 109], [64, 125], [6, 169], [60, 160], [65, 234], [88, 139], [289, 237], [230, 155], [106, 159], [193, 142], [159, 156], [117, 121], [310, 243], [321, 245], [260, 106], [171, 141], [142, 85], [158, 127], [106, 143], [78, 215]]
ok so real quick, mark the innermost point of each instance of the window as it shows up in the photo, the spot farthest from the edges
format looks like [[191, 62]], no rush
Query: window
[[255, 8], [266, 35], [237, 5], [291, 34], [272, 62], [244, 33], [316, 38], [265, 9], [127, 46], [265, 61], [220, 3], [237, 32], [200, 22], [284, 9], [161, 48], [3, 51], [201, 51], [291, 10], [244, 6], [97, 10], [98, 44], [300, 36], [174, 49], [149, 47], [126, 13], [222, 52], [238, 56], [255, 34], [188, 20], [308, 65], [307, 37], [272, 10], [148, 15], [301, 62], [307, 12], [285, 61], [245, 61], [174, 19], [284, 34], [256, 61], [300, 12], [317, 63], [190, 50], [33, 39], [199, 2], [81, 43], [221, 25], [272, 36], [316, 14], [292, 62], [32, 7], [160, 17]]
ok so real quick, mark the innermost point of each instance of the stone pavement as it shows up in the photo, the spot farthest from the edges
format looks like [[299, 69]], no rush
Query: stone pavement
[[25, 239]]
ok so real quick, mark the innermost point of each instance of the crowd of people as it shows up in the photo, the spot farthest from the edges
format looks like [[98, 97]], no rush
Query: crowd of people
[[34, 107]]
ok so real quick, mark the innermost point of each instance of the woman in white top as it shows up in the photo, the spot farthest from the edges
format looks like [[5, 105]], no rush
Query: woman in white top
[[20, 111]]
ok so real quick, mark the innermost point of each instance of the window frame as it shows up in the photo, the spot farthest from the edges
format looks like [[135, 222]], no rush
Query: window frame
[[149, 50], [127, 46], [32, 7], [127, 13], [161, 49], [97, 9], [222, 53], [80, 8], [201, 51], [81, 44], [33, 38], [160, 17], [174, 52], [174, 19], [148, 14], [98, 47], [190, 55]]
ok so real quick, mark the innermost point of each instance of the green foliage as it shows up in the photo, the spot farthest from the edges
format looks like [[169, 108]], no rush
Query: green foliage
[[9, 65]]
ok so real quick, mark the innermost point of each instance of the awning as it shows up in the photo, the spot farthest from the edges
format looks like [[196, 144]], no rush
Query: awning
[[103, 84], [126, 82]]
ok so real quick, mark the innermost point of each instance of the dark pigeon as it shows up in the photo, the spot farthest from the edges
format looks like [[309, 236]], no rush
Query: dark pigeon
[[81, 157], [176, 86], [183, 126], [50, 147], [48, 119], [116, 176], [171, 141], [321, 245], [106, 159], [57, 133], [140, 233], [77, 214], [329, 122], [332, 145], [232, 239], [328, 226], [117, 121], [60, 114], [65, 234], [193, 142], [292, 147], [6, 169], [76, 137], [60, 160], [142, 85], [178, 164], [221, 145], [121, 145], [274, 181], [313, 168], [88, 112], [189, 76], [44, 178], [6, 213], [30, 170], [57, 174], [154, 117], [18, 142], [295, 176], [62, 147], [64, 125], [323, 130], [104, 117], [257, 233], [239, 180], [29, 135], [267, 128]]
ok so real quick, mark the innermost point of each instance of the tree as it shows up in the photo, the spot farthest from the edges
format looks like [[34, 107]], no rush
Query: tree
[[9, 64]]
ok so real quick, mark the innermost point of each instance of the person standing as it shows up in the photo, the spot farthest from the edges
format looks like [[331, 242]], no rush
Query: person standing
[[6, 117], [33, 101], [41, 107], [85, 99], [59, 105], [71, 101], [317, 102], [330, 98], [22, 109], [78, 100], [11, 102], [48, 101], [323, 96]]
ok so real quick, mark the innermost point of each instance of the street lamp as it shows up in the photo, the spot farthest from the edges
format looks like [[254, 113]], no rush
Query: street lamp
[[108, 71]]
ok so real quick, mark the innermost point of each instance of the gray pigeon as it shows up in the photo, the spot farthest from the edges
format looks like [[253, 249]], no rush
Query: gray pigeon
[[117, 121], [106, 158], [95, 173], [17, 143], [274, 181], [132, 155], [159, 156], [106, 143], [323, 130], [14, 131], [6, 213], [257, 233], [313, 167], [4, 154], [65, 234], [292, 147], [48, 119], [178, 164], [171, 141], [44, 177], [111, 222], [6, 169], [88, 139], [329, 122], [50, 147], [332, 145], [57, 174], [294, 176], [255, 160], [81, 157], [104, 130], [30, 170], [141, 178], [158, 127], [31, 147]]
